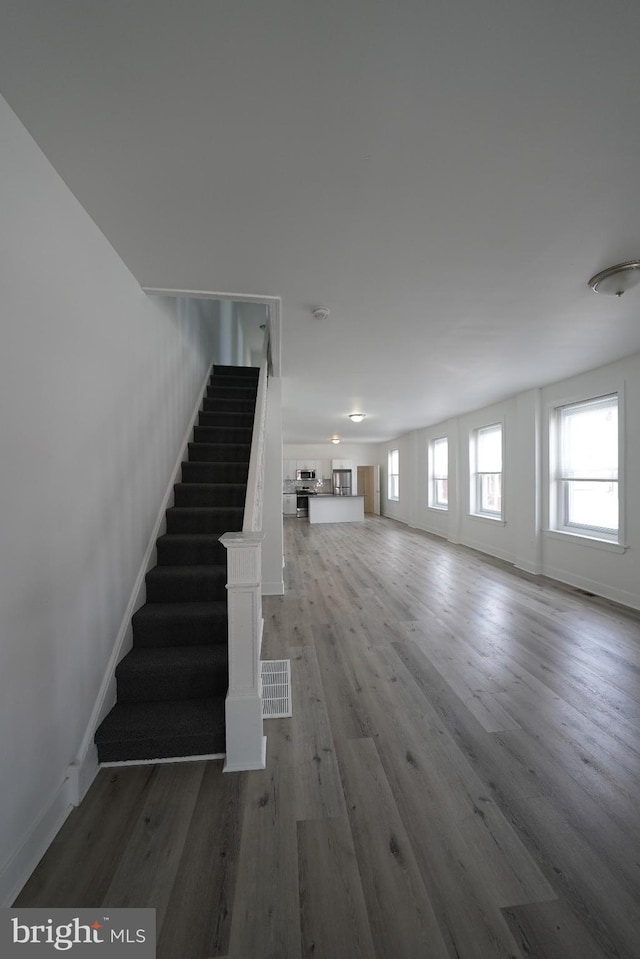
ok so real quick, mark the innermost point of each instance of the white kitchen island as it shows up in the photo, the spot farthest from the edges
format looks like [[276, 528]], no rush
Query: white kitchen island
[[336, 509]]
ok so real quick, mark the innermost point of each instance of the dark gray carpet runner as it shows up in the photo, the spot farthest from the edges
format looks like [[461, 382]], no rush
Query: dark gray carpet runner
[[172, 684]]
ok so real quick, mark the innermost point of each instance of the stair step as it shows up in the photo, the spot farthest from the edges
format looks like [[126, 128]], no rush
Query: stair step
[[204, 519], [180, 624], [209, 494], [222, 434], [215, 472], [226, 418], [163, 730], [186, 584], [227, 381], [247, 393], [221, 404], [152, 674], [249, 372], [219, 452], [197, 549]]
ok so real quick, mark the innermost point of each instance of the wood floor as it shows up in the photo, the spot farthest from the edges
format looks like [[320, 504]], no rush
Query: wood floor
[[460, 779]]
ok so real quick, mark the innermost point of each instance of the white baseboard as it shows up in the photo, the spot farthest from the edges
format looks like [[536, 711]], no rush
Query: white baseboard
[[503, 554], [34, 844], [622, 596], [259, 763], [80, 774], [164, 761], [533, 568], [273, 589]]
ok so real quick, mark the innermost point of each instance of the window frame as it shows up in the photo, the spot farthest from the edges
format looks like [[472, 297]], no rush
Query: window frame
[[434, 501], [559, 484], [477, 476], [393, 496]]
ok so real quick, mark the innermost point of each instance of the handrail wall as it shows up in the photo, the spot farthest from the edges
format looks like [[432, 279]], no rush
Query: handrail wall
[[245, 741]]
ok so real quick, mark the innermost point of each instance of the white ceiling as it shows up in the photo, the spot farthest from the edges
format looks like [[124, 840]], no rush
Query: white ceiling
[[444, 176]]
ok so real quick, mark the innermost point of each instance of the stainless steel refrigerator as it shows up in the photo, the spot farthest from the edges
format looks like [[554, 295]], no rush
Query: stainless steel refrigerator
[[342, 483]]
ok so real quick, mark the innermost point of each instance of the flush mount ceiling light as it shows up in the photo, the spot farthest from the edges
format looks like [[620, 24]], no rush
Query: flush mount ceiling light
[[616, 279], [320, 313], [335, 439], [356, 417]]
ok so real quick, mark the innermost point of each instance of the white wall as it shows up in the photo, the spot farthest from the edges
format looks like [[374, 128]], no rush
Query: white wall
[[97, 383], [523, 537], [605, 571]]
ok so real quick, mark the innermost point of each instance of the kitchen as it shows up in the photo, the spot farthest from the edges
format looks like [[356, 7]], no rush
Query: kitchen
[[325, 491]]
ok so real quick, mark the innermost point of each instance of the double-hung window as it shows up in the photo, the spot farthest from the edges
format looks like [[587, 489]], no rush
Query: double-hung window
[[439, 473], [394, 474], [586, 468], [486, 458]]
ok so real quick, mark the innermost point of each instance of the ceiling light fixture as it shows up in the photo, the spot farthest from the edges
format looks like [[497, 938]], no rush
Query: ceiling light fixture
[[335, 439], [356, 417], [616, 279], [320, 313]]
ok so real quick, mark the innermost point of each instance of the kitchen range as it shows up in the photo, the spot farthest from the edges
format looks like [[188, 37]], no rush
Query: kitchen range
[[302, 500]]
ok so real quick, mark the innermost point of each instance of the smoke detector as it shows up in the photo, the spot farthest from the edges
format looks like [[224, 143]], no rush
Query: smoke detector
[[320, 313]]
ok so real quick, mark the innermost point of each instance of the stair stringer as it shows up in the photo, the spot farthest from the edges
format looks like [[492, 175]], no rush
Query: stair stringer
[[84, 768]]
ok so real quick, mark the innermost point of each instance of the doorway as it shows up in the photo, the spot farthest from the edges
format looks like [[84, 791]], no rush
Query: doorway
[[369, 485]]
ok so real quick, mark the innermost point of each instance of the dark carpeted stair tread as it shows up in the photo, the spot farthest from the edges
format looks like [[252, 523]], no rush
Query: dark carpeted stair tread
[[149, 674], [186, 584], [226, 381], [210, 494], [222, 434], [231, 392], [184, 624], [162, 730], [221, 404], [204, 519], [232, 420], [219, 452], [201, 549], [249, 372], [215, 472]]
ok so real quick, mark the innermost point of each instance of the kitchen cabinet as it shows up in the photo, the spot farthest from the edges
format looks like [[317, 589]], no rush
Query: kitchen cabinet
[[289, 504], [342, 464], [289, 469], [308, 465]]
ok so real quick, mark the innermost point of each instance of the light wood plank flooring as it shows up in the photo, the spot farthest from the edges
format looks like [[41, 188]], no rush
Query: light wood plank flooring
[[460, 779]]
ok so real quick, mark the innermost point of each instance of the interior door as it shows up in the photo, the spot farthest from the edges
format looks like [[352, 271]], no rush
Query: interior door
[[375, 473], [369, 484]]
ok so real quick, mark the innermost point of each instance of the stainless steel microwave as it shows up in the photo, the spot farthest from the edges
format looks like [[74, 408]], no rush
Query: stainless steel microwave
[[305, 474]]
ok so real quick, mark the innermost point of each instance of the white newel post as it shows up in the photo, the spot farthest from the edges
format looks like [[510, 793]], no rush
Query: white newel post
[[246, 744]]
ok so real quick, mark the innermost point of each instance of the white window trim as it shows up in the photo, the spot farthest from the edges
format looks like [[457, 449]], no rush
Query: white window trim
[[579, 539], [567, 534], [432, 477], [393, 499], [474, 512]]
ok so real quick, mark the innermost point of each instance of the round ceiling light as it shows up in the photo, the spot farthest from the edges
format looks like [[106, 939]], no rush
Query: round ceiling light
[[335, 439], [320, 313], [356, 417], [616, 279]]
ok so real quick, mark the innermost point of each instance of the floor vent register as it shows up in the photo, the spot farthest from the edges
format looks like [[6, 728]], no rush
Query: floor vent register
[[276, 688]]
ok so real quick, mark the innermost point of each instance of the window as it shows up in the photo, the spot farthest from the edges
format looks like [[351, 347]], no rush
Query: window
[[486, 459], [586, 468], [394, 474], [439, 473]]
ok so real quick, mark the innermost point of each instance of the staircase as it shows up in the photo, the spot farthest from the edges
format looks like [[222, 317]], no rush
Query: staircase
[[171, 686]]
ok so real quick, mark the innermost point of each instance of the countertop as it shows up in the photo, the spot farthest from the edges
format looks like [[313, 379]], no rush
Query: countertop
[[325, 495]]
